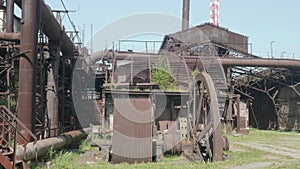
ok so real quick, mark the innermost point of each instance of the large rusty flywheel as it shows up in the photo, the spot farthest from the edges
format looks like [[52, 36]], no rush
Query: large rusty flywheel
[[205, 123]]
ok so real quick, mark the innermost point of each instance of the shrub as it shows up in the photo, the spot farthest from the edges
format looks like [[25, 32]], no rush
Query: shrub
[[162, 75]]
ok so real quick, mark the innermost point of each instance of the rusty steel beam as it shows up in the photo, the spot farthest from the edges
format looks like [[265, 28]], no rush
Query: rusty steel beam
[[261, 62], [185, 14], [52, 29], [10, 36], [29, 37], [9, 16]]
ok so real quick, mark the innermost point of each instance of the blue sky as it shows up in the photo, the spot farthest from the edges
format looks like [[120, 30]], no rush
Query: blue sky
[[262, 21]]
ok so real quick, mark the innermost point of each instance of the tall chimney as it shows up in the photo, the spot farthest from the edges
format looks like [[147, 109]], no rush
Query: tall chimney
[[185, 14]]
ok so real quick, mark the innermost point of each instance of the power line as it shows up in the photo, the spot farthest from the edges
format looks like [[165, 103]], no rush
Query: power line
[[72, 23]]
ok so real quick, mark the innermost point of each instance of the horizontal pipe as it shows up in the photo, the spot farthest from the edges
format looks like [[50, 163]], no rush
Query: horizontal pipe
[[287, 63], [55, 31], [41, 147], [52, 29], [10, 36], [249, 62]]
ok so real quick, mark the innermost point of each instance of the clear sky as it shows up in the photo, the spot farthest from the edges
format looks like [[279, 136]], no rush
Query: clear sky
[[262, 21]]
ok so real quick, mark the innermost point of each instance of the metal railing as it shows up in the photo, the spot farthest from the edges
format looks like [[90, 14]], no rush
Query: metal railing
[[11, 134]]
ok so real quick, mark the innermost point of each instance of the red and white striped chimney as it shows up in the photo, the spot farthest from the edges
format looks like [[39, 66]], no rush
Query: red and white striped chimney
[[215, 12]]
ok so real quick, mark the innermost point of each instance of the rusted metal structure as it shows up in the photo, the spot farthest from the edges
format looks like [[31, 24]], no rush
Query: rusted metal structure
[[247, 75], [132, 128], [37, 59], [41, 64], [186, 121], [11, 136], [213, 49]]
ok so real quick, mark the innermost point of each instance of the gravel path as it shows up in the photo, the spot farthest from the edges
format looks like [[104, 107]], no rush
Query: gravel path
[[254, 165], [272, 149], [278, 150]]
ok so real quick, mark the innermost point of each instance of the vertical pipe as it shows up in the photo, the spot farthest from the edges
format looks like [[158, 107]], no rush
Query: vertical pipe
[[8, 88], [26, 93], [52, 103], [185, 14], [238, 115], [10, 15]]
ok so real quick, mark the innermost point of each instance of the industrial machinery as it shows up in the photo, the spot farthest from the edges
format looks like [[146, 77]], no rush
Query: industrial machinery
[[152, 121]]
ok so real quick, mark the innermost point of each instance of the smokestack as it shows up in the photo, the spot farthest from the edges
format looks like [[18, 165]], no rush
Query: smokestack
[[185, 14], [215, 12]]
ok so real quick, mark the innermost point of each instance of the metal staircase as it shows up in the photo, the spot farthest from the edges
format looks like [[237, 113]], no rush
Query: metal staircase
[[11, 136]]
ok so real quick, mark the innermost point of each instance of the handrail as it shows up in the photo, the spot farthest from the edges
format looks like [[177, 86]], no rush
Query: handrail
[[9, 118], [19, 123], [13, 126]]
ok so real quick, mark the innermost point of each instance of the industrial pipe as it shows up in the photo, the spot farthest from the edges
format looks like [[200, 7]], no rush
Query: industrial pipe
[[256, 62], [250, 62], [10, 36], [41, 147], [9, 16], [27, 68], [55, 31], [52, 29]]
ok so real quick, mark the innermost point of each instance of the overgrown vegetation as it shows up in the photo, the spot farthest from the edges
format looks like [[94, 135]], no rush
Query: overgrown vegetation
[[162, 75], [3, 100], [63, 159], [195, 73], [85, 146]]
